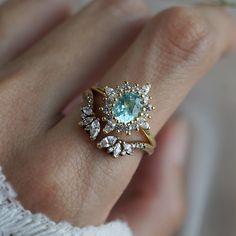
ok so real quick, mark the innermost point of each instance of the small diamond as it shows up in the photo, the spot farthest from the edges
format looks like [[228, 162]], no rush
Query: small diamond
[[103, 143], [128, 148], [146, 89], [87, 110], [88, 97], [107, 142], [144, 124], [117, 150], [94, 129], [139, 145], [106, 109], [124, 86], [134, 126], [149, 107], [110, 149], [110, 126], [83, 116], [112, 140], [128, 129], [109, 91], [146, 99], [86, 121]]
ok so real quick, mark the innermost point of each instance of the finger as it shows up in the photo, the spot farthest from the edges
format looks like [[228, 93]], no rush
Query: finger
[[153, 203], [25, 21], [180, 46], [62, 63], [173, 52], [120, 21]]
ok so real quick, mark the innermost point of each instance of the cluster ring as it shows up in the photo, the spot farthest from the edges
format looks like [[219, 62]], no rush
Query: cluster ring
[[126, 109]]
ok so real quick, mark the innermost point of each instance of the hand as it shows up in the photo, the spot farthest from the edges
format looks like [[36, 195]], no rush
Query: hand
[[48, 57]]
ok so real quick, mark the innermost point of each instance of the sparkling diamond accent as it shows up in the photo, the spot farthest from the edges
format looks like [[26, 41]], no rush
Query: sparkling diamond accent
[[88, 98], [117, 147], [149, 107], [108, 141], [146, 89], [128, 148], [94, 129], [110, 126], [87, 110], [83, 116], [86, 121], [117, 150], [110, 150], [144, 124], [109, 91]]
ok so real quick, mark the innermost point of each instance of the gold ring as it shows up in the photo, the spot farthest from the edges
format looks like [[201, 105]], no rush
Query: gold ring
[[126, 110]]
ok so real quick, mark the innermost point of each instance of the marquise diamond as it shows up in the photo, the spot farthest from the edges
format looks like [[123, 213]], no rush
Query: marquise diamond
[[86, 121], [128, 149], [87, 110], [107, 142], [110, 126], [117, 150], [144, 124], [94, 129]]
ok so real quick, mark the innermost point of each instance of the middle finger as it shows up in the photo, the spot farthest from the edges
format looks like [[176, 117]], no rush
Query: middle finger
[[55, 69]]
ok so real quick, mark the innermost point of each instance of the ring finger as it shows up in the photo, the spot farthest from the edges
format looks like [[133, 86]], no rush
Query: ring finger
[[23, 22]]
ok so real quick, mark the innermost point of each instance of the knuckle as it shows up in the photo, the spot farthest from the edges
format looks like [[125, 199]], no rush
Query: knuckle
[[178, 35], [185, 30]]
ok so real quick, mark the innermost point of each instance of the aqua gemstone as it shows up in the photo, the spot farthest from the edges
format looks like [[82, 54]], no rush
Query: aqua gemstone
[[128, 107]]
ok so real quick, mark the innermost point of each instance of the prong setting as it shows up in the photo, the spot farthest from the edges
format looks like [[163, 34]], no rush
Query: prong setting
[[140, 93], [134, 100]]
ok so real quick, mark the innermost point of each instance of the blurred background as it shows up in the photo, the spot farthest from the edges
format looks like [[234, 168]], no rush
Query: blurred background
[[211, 172]]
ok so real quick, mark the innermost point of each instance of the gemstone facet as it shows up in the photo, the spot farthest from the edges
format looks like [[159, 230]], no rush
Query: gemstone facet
[[110, 126], [128, 107], [107, 142], [94, 129], [117, 150]]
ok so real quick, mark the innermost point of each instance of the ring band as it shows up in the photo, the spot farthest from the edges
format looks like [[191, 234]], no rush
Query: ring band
[[126, 109]]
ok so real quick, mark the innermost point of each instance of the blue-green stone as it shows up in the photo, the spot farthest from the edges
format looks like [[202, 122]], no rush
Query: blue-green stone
[[128, 107]]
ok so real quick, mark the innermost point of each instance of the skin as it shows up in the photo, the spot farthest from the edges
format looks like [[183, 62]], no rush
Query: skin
[[48, 57]]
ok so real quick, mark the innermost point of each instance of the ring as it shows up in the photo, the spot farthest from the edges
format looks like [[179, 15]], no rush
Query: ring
[[125, 109]]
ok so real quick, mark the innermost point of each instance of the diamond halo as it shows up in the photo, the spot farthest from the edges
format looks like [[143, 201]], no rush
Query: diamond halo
[[127, 108]]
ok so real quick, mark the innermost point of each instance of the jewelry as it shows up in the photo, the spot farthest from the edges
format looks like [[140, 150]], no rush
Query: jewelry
[[126, 109]]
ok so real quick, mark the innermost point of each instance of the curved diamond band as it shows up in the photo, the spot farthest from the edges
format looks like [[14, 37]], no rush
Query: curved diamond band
[[126, 109]]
